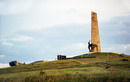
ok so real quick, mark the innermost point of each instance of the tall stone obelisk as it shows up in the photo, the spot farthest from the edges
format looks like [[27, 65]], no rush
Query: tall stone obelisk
[[95, 39]]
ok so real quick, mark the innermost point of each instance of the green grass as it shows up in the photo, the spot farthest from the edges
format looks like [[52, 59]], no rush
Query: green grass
[[97, 54], [105, 67]]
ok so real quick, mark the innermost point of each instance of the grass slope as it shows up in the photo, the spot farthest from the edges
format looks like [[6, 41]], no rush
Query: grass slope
[[98, 54], [105, 67]]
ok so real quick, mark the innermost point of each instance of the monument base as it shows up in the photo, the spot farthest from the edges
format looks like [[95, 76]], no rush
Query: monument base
[[91, 52], [103, 52]]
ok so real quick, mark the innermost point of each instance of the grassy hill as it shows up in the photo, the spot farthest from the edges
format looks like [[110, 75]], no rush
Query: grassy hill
[[86, 68]]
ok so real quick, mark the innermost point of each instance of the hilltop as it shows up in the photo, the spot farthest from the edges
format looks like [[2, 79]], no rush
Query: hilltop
[[87, 67]]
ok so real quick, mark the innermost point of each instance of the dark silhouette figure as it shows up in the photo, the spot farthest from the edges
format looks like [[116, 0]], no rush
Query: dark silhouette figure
[[89, 46]]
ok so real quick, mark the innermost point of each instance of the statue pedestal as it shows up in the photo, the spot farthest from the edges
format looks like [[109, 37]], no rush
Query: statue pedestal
[[91, 52]]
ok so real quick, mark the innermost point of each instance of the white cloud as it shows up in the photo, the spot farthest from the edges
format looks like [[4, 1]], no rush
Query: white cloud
[[4, 65], [1, 56], [32, 27], [7, 43], [75, 46], [81, 45], [14, 6], [22, 38], [120, 48], [127, 4], [80, 10], [72, 49], [48, 13]]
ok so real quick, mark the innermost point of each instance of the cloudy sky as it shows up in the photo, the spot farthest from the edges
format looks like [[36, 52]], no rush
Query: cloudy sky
[[32, 30]]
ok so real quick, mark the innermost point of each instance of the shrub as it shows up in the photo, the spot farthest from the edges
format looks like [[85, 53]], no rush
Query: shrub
[[42, 73], [125, 60]]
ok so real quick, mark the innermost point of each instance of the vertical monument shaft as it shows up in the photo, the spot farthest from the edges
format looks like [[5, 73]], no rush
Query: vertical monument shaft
[[95, 40]]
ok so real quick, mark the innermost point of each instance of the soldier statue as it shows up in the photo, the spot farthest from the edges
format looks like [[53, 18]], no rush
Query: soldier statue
[[92, 46], [89, 46]]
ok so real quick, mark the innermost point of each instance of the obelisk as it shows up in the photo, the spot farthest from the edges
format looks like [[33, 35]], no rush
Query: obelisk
[[95, 39]]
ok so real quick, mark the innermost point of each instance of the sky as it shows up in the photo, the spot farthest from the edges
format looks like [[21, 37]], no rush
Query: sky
[[32, 30]]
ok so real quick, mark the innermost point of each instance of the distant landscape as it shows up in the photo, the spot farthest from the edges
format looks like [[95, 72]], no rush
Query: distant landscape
[[110, 67]]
